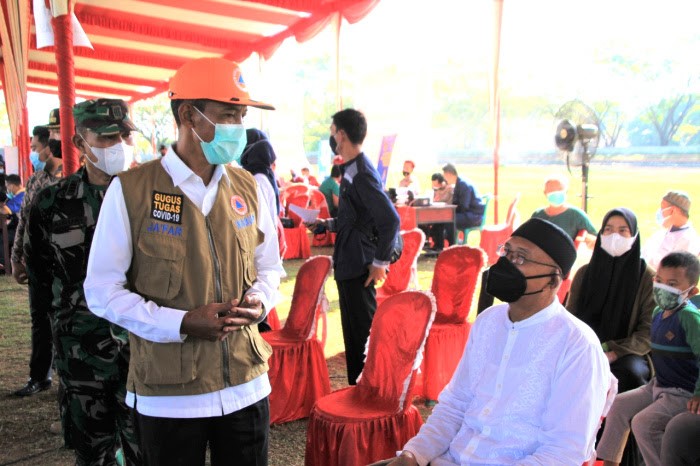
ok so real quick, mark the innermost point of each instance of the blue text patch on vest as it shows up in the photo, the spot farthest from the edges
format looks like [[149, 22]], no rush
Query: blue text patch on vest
[[246, 221], [169, 230], [167, 207]]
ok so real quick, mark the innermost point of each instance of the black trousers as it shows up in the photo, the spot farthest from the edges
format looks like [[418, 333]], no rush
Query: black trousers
[[42, 341], [239, 438], [357, 306], [631, 371]]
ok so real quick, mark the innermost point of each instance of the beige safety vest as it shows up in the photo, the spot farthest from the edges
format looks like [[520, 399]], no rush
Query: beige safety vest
[[183, 260]]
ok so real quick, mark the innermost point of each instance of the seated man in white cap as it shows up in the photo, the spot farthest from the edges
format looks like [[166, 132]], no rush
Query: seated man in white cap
[[532, 383], [677, 233]]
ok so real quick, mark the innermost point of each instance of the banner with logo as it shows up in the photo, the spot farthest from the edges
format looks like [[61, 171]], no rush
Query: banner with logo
[[385, 156]]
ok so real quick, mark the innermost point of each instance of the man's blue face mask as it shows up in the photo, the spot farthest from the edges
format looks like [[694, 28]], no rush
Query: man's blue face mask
[[227, 145], [36, 162], [556, 198]]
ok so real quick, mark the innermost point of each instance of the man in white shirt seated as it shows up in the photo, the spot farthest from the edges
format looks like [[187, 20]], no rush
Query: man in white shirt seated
[[677, 233], [532, 383]]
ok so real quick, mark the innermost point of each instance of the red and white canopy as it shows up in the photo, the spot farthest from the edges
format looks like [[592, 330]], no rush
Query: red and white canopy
[[138, 44]]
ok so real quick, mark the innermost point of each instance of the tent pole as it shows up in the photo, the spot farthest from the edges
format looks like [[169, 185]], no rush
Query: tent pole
[[23, 145], [63, 33], [338, 97], [496, 101]]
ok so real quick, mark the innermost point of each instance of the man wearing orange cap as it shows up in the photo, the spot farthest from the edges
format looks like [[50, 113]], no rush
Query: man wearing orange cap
[[185, 257]]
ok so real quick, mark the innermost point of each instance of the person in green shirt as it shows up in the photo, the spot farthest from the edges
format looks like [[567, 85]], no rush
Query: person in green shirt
[[565, 216], [331, 189]]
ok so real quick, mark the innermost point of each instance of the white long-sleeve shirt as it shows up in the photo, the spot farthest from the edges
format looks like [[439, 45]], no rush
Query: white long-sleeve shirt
[[524, 393], [108, 297], [663, 242]]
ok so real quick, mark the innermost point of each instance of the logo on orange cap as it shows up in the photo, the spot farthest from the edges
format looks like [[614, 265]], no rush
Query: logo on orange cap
[[215, 79], [238, 79]]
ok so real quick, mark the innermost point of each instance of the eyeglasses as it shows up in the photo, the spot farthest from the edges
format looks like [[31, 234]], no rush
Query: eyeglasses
[[517, 258]]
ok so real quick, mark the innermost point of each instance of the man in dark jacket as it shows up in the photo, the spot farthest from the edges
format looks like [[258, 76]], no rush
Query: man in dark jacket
[[470, 207], [367, 226]]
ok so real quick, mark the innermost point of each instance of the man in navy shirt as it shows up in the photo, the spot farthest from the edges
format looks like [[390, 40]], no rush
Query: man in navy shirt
[[367, 225], [470, 207]]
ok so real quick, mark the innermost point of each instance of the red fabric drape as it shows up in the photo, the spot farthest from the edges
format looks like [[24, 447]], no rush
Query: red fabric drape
[[457, 271], [407, 216], [298, 244], [369, 422], [63, 34]]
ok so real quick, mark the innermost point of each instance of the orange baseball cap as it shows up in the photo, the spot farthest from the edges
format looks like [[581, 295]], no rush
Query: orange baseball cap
[[215, 79]]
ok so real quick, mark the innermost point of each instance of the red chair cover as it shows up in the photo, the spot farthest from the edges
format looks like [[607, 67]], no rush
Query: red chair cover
[[301, 200], [366, 423], [493, 236], [298, 244], [407, 216], [457, 271], [298, 371], [273, 320], [318, 201], [563, 292], [401, 272], [292, 190]]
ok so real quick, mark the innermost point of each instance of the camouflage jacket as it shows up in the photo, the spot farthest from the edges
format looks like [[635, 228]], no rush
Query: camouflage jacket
[[36, 183], [59, 232]]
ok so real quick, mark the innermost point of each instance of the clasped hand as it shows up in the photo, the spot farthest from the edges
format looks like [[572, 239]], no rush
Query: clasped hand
[[216, 320]]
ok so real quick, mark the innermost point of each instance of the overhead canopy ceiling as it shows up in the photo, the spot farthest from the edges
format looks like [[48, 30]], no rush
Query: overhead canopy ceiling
[[138, 44]]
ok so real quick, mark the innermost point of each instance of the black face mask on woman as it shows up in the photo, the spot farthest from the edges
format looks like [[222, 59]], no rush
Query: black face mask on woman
[[334, 145], [507, 283]]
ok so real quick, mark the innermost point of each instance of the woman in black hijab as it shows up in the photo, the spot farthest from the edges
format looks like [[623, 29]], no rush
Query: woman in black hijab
[[613, 295]]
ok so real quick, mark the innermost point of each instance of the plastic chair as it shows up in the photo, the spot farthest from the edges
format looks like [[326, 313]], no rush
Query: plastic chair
[[493, 236], [563, 292], [298, 371], [402, 272], [462, 236], [457, 271], [370, 421]]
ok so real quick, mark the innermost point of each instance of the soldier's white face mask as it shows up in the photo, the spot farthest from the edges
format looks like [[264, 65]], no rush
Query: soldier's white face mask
[[111, 160]]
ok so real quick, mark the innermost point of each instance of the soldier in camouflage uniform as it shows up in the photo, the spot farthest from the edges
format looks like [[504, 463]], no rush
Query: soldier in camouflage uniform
[[91, 354], [48, 171]]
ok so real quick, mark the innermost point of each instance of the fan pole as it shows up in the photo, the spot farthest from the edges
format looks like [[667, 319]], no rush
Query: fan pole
[[585, 160]]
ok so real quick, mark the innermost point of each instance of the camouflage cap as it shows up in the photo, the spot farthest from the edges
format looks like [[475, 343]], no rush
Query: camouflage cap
[[103, 116], [54, 119]]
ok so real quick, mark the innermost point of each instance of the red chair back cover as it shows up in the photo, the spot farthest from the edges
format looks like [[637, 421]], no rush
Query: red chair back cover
[[308, 298], [399, 276], [395, 347], [301, 200], [512, 217], [454, 280], [318, 201]]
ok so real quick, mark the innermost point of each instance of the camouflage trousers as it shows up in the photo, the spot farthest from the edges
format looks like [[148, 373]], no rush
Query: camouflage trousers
[[97, 422]]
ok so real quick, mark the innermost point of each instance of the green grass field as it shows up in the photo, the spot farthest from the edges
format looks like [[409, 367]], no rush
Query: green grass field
[[637, 188]]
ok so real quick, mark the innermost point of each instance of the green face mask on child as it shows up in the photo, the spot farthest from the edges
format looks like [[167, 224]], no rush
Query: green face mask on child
[[667, 297]]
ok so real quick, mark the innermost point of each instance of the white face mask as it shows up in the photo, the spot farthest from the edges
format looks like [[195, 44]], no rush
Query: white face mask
[[616, 244], [112, 160]]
